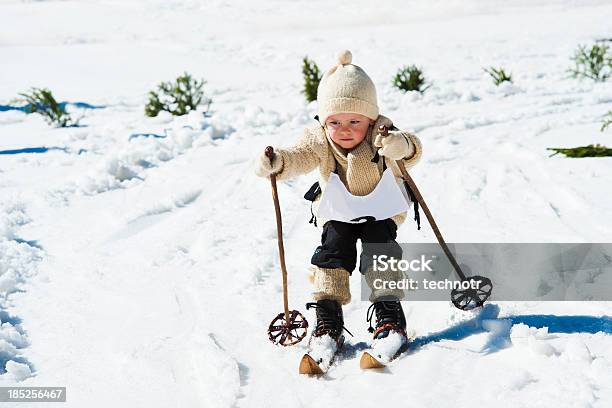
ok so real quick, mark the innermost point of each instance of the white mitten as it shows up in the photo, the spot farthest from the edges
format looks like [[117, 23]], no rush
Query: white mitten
[[264, 168], [395, 145]]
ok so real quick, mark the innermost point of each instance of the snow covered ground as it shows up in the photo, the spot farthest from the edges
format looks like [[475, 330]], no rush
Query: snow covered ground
[[142, 271]]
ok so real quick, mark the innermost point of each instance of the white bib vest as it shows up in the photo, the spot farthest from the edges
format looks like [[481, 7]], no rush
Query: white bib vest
[[385, 201]]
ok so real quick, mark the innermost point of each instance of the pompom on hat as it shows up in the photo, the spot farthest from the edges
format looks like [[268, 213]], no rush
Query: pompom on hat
[[346, 88]]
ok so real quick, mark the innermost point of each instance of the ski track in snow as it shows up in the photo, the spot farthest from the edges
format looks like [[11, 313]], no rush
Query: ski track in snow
[[148, 265]]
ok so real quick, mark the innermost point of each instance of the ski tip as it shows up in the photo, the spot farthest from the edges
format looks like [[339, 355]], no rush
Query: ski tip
[[368, 362], [309, 367]]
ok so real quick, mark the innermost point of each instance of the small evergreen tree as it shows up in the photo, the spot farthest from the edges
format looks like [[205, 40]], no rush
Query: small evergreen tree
[[607, 121], [410, 78], [312, 77], [594, 63], [41, 101], [498, 75], [179, 97], [583, 151]]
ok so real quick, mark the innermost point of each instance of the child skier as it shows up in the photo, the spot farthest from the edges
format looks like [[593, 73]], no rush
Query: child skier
[[361, 197]]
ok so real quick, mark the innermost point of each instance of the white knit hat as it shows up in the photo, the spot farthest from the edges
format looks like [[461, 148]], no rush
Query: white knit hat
[[346, 88]]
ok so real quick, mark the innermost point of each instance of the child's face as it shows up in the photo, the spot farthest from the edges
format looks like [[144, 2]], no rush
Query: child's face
[[347, 129]]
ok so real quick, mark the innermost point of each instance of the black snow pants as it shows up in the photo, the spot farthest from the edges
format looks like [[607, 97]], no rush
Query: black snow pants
[[338, 244]]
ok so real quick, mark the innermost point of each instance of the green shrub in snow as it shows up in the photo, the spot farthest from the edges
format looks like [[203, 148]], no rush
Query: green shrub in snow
[[41, 101], [607, 121], [312, 77], [594, 63], [179, 97], [410, 78], [498, 75], [583, 151]]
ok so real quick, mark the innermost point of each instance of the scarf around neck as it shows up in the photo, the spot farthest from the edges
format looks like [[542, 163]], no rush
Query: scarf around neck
[[355, 167]]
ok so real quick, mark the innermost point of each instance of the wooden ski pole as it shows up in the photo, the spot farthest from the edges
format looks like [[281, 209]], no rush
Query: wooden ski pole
[[384, 131], [279, 231]]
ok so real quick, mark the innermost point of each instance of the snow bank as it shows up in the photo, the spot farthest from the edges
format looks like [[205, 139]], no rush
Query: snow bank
[[18, 262]]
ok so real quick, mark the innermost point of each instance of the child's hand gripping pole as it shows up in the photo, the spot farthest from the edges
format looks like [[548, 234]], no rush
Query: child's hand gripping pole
[[287, 328], [463, 299]]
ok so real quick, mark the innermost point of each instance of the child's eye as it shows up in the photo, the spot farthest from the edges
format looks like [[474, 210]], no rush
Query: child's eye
[[354, 122]]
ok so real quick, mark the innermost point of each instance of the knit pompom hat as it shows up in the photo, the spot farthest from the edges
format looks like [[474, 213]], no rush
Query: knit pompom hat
[[346, 88]]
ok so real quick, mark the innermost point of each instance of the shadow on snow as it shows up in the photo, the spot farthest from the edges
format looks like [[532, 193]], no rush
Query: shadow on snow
[[499, 327], [24, 108], [40, 149]]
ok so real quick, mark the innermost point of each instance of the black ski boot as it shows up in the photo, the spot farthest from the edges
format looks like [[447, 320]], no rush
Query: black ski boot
[[390, 338], [327, 338], [330, 319], [389, 317]]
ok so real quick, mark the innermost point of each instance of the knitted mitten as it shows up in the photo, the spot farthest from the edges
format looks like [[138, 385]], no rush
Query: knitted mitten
[[395, 146], [263, 167]]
